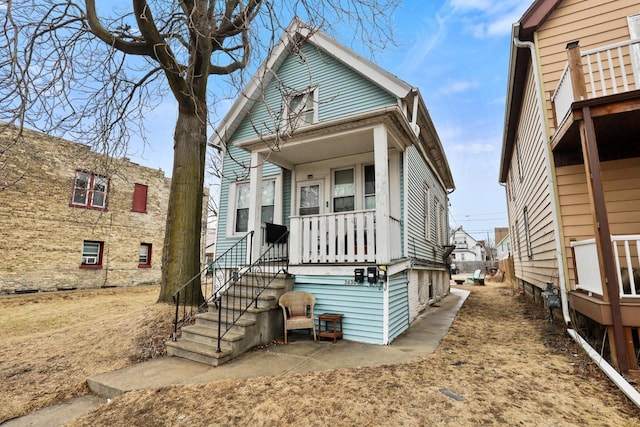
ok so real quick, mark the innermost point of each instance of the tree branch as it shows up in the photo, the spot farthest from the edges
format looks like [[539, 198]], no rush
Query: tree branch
[[131, 48]]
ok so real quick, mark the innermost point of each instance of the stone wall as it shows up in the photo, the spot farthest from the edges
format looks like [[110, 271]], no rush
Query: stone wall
[[41, 235]]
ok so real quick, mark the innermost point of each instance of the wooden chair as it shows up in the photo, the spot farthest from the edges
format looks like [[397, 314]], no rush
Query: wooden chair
[[297, 310]]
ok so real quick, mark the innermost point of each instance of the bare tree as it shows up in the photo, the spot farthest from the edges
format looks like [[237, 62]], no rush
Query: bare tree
[[91, 73]]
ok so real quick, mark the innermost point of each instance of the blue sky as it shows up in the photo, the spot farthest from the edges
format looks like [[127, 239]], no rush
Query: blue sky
[[456, 52]]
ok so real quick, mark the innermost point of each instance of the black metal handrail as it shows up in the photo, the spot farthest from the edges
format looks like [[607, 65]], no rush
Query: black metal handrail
[[237, 296], [192, 299]]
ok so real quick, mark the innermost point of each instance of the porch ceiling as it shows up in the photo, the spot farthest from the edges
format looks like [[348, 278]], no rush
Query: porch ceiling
[[322, 148], [617, 127]]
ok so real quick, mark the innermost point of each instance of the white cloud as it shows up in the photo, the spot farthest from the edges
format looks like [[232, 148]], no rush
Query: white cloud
[[456, 87], [426, 41], [484, 18]]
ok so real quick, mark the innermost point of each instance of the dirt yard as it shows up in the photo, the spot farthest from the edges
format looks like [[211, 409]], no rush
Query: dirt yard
[[50, 343], [502, 356]]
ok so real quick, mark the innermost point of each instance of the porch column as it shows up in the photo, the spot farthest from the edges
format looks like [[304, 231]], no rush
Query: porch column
[[255, 209], [381, 159], [603, 235]]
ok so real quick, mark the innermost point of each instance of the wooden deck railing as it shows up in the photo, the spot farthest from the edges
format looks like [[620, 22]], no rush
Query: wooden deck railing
[[340, 237], [626, 249], [607, 70]]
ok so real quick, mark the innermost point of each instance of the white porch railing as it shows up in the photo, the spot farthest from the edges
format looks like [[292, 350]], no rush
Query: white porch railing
[[625, 250], [607, 70], [396, 236], [339, 237]]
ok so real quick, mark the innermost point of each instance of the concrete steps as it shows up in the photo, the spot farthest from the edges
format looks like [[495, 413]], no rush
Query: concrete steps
[[257, 326]]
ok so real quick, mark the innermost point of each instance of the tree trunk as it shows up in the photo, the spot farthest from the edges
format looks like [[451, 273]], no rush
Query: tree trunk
[[181, 253]]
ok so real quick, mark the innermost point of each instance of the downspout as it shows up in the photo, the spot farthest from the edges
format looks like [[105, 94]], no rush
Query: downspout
[[604, 366], [547, 158]]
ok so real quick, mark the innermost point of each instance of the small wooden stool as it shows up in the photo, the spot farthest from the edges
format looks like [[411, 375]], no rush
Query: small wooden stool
[[334, 332]]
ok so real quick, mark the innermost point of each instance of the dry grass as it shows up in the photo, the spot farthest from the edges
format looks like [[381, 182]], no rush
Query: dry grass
[[51, 343], [501, 355]]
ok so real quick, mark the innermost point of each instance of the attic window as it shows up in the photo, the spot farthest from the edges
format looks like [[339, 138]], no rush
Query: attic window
[[300, 109]]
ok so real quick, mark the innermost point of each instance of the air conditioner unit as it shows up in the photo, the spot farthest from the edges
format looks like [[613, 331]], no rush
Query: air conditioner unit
[[90, 260]]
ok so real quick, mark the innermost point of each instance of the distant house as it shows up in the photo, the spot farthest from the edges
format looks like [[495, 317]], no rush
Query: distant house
[[78, 219], [503, 248], [466, 247], [345, 155], [571, 162]]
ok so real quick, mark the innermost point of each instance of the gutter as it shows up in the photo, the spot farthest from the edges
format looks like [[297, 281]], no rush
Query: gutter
[[604, 366]]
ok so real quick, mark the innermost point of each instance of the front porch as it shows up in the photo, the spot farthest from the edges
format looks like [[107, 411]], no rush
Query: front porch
[[346, 237], [343, 202]]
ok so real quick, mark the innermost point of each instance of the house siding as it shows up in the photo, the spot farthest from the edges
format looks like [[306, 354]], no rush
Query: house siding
[[593, 22], [338, 86], [235, 167], [362, 306], [398, 305], [533, 193], [621, 181], [420, 174]]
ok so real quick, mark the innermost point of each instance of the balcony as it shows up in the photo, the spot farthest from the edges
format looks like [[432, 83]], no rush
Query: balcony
[[606, 70], [345, 237]]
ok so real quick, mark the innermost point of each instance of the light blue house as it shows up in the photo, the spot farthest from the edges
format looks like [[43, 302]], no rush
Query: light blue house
[[346, 156]]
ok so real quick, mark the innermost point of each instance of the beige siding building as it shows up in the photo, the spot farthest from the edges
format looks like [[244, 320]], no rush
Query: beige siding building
[[570, 161], [78, 219]]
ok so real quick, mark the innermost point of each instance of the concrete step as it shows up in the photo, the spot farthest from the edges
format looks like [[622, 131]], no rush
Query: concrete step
[[198, 352], [209, 336], [244, 296], [210, 319]]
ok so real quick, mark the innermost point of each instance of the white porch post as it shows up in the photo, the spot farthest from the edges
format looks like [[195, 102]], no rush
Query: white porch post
[[381, 158], [255, 196]]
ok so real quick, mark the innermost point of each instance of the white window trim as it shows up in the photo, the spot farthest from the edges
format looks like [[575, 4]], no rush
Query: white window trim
[[231, 211], [286, 122], [357, 191], [427, 213], [363, 183]]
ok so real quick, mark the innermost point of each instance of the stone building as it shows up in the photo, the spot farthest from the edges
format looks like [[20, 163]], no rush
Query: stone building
[[78, 219]]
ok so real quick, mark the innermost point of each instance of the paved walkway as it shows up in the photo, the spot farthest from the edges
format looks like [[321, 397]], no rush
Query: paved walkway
[[301, 355]]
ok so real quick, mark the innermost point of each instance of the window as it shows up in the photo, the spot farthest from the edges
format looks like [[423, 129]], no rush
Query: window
[[89, 190], [442, 229], [242, 208], [91, 254], [310, 195], [144, 257], [242, 202], [343, 190], [268, 200], [519, 159], [427, 213], [300, 109], [436, 208], [139, 198], [517, 232], [369, 187], [527, 234]]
